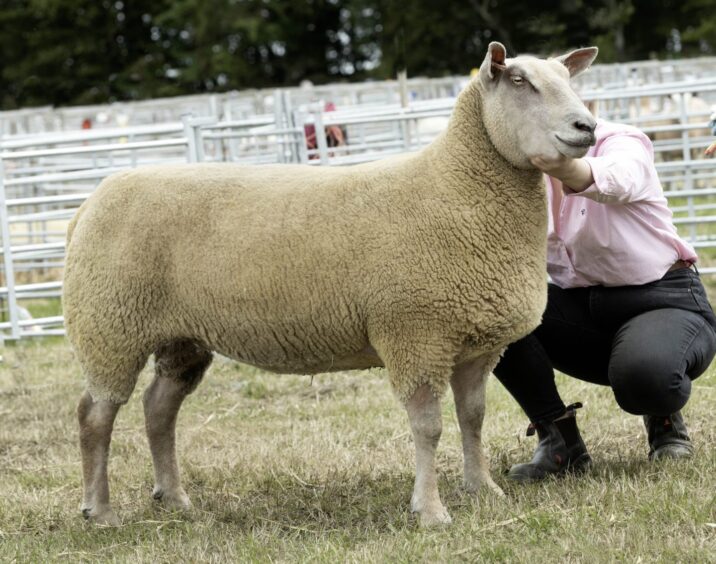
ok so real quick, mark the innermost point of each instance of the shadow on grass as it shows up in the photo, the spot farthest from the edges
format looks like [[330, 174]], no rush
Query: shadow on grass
[[357, 505], [338, 502]]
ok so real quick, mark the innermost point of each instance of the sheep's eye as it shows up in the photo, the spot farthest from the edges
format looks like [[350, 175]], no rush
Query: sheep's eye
[[518, 80]]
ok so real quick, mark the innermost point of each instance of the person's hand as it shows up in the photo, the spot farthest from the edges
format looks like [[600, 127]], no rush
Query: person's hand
[[710, 150], [575, 174], [555, 165]]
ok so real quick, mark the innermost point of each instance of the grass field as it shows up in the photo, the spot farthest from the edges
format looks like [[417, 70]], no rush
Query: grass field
[[285, 468]]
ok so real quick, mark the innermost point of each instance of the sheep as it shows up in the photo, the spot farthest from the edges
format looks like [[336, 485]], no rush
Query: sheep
[[428, 264], [671, 106]]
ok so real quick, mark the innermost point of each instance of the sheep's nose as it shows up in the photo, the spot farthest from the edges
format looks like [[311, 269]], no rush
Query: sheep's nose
[[586, 126]]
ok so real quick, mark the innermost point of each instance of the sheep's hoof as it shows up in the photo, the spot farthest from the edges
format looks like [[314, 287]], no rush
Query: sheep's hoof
[[494, 488], [431, 515], [105, 517], [474, 486], [433, 519], [173, 501]]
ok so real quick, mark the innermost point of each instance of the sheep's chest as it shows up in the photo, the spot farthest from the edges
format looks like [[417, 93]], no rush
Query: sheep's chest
[[510, 306], [511, 284]]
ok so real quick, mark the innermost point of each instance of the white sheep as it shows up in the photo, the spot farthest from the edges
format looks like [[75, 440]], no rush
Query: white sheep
[[428, 264]]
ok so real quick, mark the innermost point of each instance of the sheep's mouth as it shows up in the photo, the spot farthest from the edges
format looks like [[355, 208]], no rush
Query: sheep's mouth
[[581, 144]]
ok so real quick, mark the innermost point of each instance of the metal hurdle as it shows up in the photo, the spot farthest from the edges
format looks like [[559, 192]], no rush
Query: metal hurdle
[[44, 177]]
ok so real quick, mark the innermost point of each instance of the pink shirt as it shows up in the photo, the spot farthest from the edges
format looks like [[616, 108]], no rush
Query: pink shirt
[[618, 231]]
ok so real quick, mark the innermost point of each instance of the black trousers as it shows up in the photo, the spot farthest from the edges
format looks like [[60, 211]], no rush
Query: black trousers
[[647, 342]]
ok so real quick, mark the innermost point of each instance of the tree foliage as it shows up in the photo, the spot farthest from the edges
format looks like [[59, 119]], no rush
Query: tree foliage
[[91, 51]]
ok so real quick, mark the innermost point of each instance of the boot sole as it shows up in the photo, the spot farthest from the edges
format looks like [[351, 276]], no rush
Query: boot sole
[[672, 451]]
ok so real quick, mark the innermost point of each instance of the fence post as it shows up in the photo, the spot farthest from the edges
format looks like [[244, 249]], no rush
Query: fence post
[[278, 112], [192, 147], [320, 136], [192, 131], [299, 122], [686, 154], [293, 150], [13, 312]]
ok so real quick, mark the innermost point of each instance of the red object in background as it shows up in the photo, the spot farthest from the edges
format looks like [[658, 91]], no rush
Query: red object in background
[[87, 123], [335, 136]]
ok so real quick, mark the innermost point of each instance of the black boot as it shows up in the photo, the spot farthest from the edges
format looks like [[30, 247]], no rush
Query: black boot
[[560, 449], [668, 437]]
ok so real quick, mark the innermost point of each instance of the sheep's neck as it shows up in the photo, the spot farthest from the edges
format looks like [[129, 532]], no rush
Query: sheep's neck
[[465, 150]]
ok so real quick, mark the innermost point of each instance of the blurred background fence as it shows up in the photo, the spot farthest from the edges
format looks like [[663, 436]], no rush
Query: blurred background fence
[[52, 159]]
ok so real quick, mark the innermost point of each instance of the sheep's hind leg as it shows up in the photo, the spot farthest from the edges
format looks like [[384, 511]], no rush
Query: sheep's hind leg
[[96, 419], [179, 368], [426, 423], [468, 385]]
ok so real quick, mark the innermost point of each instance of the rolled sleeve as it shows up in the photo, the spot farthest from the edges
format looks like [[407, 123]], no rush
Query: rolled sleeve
[[623, 170]]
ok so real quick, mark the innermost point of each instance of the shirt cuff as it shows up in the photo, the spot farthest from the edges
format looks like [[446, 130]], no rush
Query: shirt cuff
[[599, 189]]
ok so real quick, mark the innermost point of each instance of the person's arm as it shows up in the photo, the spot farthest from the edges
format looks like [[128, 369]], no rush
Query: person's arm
[[575, 174], [622, 171]]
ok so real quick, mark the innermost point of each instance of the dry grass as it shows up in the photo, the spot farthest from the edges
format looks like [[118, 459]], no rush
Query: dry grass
[[282, 469]]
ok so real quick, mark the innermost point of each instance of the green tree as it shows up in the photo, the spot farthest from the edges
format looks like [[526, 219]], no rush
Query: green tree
[[83, 51], [212, 45], [699, 29], [69, 51]]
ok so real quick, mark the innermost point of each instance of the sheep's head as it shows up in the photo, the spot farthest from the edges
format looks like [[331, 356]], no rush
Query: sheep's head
[[529, 107]]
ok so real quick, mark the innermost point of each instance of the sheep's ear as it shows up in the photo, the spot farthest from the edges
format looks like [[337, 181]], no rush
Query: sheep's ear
[[494, 63], [579, 60]]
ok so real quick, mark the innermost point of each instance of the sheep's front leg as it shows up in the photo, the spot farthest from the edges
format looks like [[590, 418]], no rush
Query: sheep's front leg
[[426, 423], [468, 385], [96, 419]]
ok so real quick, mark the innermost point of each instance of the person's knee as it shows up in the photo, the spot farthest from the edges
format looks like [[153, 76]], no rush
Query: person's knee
[[654, 358], [648, 386], [701, 352]]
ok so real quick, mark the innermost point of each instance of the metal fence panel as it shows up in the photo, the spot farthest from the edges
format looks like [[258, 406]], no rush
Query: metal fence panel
[[44, 177]]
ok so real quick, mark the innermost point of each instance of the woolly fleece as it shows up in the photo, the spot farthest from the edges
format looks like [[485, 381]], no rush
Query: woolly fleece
[[417, 263]]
